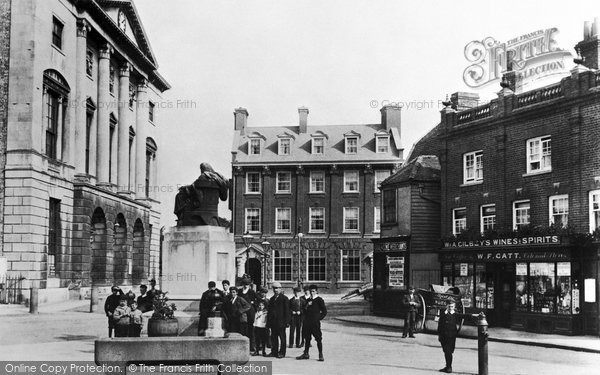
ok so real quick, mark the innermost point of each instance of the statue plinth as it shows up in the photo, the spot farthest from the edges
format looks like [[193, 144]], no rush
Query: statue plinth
[[193, 256], [214, 327]]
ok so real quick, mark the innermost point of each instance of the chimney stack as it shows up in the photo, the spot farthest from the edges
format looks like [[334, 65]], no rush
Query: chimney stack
[[241, 119], [589, 47], [391, 116], [303, 114], [464, 100]]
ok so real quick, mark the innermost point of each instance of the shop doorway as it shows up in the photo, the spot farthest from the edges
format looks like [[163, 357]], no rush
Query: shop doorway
[[502, 275], [253, 268]]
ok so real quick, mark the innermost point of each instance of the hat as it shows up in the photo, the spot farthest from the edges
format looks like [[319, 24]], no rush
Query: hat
[[114, 288], [297, 289], [262, 289], [246, 281], [276, 284]]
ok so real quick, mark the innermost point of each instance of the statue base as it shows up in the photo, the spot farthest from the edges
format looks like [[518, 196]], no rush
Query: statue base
[[214, 328], [193, 256]]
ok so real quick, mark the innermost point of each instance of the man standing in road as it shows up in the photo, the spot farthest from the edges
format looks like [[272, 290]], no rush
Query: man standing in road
[[111, 303], [278, 319], [315, 312], [447, 332], [412, 304]]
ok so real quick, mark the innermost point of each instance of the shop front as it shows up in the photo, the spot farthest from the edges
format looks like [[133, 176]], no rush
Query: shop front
[[390, 270], [533, 287]]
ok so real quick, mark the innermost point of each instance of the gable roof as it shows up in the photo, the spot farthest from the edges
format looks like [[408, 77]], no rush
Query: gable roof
[[301, 145], [421, 168], [429, 144], [128, 7]]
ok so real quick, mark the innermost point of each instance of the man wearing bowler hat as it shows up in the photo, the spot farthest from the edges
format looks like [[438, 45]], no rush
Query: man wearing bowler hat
[[278, 319]]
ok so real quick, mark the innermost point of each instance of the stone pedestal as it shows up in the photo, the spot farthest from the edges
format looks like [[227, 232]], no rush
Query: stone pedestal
[[193, 256], [214, 327]]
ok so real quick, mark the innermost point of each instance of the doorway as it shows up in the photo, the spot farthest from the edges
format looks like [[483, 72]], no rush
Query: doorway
[[253, 268], [503, 277]]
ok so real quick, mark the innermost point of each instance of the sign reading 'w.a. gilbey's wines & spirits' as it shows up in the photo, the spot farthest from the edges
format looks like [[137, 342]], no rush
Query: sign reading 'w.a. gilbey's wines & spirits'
[[517, 241]]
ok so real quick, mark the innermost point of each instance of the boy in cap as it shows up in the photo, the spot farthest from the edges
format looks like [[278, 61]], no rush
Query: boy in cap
[[315, 312], [296, 323], [447, 332]]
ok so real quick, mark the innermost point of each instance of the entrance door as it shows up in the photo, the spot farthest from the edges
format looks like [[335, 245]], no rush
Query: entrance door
[[254, 269], [504, 293]]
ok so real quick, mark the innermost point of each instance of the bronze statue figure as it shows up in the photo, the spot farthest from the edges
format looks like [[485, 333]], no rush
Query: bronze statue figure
[[197, 204]]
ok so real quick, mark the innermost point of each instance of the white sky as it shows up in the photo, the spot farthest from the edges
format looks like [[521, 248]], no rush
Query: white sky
[[334, 57]]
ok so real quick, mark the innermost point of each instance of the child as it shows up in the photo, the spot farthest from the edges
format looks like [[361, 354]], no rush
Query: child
[[121, 317], [260, 328], [137, 321]]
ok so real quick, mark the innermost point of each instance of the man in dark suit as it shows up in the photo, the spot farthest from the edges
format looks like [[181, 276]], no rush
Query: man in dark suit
[[250, 296], [144, 300], [411, 302], [278, 319], [296, 307], [211, 302], [110, 305], [237, 308], [315, 312], [447, 332]]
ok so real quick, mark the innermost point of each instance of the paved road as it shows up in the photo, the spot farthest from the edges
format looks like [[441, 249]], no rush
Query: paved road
[[349, 349]]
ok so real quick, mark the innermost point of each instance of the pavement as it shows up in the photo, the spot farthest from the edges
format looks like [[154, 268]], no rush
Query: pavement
[[590, 344]]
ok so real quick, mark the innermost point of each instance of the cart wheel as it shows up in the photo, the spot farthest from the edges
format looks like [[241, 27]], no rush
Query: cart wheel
[[421, 313]]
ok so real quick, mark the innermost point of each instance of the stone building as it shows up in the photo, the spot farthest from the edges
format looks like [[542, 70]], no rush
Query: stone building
[[520, 201], [311, 193], [78, 115]]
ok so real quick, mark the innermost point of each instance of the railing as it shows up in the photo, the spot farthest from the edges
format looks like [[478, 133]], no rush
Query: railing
[[541, 95], [473, 114], [11, 290]]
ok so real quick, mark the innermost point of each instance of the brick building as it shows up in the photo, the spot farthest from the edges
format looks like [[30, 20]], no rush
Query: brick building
[[520, 201], [312, 193], [80, 150]]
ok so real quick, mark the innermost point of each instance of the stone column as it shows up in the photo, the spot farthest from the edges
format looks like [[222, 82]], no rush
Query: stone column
[[102, 149], [80, 98], [140, 139], [123, 131]]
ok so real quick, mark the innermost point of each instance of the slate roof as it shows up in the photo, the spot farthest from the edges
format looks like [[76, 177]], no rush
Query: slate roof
[[422, 168], [301, 145]]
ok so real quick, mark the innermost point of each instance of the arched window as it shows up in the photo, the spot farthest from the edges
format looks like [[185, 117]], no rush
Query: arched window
[[56, 93], [150, 160]]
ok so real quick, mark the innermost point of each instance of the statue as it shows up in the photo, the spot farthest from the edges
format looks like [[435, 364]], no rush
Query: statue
[[197, 204]]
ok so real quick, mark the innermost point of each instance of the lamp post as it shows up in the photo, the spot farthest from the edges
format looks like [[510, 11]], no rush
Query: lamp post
[[266, 245], [300, 235]]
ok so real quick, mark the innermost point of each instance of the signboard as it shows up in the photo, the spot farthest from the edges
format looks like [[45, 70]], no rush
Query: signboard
[[389, 246], [507, 256], [464, 269], [589, 290], [396, 271], [575, 301], [563, 268], [517, 241], [521, 269]]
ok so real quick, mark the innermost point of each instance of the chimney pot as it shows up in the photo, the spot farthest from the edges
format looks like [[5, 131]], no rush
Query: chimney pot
[[241, 119], [303, 115], [391, 116]]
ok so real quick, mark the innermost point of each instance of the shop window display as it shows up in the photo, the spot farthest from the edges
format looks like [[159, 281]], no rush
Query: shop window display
[[542, 285], [480, 286], [521, 287], [463, 279]]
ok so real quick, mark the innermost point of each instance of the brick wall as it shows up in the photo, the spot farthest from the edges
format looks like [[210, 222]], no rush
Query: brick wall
[[5, 24]]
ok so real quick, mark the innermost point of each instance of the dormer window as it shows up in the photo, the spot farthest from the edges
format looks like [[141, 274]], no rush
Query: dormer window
[[318, 146], [382, 144], [254, 146], [351, 145], [284, 146]]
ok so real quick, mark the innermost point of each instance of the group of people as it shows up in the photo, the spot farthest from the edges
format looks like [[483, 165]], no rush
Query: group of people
[[265, 320], [124, 311], [447, 325]]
